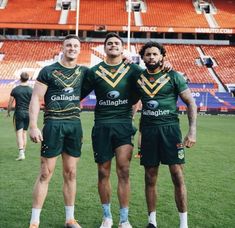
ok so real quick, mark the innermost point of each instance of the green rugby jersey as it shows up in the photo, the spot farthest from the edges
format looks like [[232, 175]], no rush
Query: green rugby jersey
[[22, 95], [159, 93], [62, 98], [114, 87]]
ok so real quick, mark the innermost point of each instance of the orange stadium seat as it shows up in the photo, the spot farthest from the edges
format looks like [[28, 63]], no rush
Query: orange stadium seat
[[183, 58], [30, 12], [225, 13], [225, 58], [161, 13], [25, 54], [104, 13], [28, 54], [167, 13]]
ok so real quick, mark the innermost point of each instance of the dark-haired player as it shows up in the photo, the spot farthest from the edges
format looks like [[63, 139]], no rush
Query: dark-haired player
[[161, 136], [112, 135], [114, 83]]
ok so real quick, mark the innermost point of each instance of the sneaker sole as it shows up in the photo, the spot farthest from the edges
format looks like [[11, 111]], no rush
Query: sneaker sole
[[20, 159]]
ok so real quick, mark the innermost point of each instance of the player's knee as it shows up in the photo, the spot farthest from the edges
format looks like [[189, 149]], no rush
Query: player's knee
[[70, 174], [178, 180], [150, 178], [123, 173], [103, 173], [150, 181], [45, 176]]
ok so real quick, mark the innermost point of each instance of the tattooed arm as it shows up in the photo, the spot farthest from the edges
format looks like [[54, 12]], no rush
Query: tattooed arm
[[190, 138]]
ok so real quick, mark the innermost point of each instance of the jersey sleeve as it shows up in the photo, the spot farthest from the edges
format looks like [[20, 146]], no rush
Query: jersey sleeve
[[180, 82], [43, 76], [88, 83], [12, 92]]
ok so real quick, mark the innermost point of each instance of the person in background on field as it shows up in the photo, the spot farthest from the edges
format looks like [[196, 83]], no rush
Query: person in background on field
[[21, 94], [161, 136], [59, 85]]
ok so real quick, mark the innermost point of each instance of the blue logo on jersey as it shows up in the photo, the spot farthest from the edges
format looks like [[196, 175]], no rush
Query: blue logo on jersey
[[152, 104], [68, 90], [113, 94]]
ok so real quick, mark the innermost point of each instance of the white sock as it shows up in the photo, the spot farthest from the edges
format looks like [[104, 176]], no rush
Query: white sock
[[152, 218], [21, 152], [69, 212], [35, 216], [183, 219]]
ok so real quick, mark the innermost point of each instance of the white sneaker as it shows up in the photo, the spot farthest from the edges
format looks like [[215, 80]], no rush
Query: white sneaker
[[125, 225], [183, 226], [107, 223], [20, 157]]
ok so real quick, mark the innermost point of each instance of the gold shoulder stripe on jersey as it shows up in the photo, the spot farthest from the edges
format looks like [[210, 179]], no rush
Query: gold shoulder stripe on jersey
[[152, 85], [144, 88], [70, 81], [119, 78], [76, 73], [111, 75], [147, 91], [161, 85]]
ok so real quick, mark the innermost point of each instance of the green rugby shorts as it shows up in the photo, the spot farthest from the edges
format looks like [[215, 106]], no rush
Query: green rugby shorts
[[61, 136], [106, 137], [21, 120], [162, 144]]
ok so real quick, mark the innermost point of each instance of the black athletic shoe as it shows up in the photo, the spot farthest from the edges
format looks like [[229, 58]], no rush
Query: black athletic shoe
[[150, 225]]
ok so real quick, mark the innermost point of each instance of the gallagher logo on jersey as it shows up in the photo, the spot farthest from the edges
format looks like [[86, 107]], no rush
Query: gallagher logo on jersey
[[68, 90], [113, 94], [152, 104]]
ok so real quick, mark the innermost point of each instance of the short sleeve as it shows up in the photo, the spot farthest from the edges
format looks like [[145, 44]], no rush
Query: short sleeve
[[12, 93], [180, 82], [43, 76]]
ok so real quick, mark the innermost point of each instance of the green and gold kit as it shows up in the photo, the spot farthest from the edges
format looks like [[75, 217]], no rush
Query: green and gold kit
[[62, 99], [159, 93], [114, 87]]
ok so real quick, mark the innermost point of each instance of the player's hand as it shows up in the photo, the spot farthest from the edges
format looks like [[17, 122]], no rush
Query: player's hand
[[126, 56], [166, 66], [190, 139], [35, 135]]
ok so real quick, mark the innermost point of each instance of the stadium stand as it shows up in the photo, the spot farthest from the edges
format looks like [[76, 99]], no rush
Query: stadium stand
[[225, 58], [93, 14], [25, 54], [167, 13], [225, 13], [30, 12], [184, 60], [202, 50]]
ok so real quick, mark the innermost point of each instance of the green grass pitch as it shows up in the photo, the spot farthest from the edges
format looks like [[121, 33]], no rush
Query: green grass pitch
[[209, 174]]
